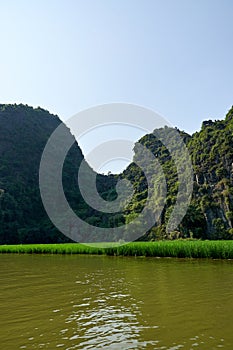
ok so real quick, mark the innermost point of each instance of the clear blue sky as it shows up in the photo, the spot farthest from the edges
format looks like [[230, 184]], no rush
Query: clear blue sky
[[174, 56]]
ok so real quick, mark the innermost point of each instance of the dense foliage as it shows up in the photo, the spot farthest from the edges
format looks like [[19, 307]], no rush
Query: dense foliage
[[210, 213], [24, 132]]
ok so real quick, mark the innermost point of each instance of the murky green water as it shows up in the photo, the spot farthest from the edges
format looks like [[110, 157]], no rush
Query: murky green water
[[92, 302]]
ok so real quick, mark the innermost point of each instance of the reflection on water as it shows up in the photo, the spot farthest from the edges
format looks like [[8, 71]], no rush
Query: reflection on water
[[94, 302], [108, 318]]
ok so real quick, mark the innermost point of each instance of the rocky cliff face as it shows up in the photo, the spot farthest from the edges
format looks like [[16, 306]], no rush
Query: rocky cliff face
[[24, 132], [210, 214], [211, 150]]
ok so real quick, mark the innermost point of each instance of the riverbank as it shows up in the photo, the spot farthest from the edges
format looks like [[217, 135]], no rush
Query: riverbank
[[178, 249]]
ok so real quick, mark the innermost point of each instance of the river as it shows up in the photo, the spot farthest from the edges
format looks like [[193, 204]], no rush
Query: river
[[95, 302]]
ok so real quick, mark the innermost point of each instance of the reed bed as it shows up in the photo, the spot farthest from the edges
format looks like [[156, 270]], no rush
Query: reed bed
[[177, 249]]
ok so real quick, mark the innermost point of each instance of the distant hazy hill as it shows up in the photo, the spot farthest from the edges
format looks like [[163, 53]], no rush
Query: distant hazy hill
[[24, 132]]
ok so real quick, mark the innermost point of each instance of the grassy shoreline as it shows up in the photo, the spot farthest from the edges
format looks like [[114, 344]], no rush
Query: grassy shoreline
[[177, 249]]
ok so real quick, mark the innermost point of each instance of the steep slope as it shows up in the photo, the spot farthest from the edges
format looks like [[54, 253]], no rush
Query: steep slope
[[212, 156], [210, 214], [24, 132]]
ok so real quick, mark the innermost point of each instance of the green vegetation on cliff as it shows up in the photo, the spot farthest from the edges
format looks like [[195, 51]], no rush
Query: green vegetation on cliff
[[210, 213], [24, 132]]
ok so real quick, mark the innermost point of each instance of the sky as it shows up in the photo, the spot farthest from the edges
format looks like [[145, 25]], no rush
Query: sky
[[172, 56]]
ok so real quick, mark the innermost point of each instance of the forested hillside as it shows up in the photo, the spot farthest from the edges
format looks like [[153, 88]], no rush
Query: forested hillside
[[24, 132]]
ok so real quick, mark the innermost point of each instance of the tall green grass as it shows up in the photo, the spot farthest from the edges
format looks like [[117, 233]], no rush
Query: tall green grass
[[178, 249]]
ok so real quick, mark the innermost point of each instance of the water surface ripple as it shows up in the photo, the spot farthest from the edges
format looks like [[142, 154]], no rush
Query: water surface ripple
[[97, 302]]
